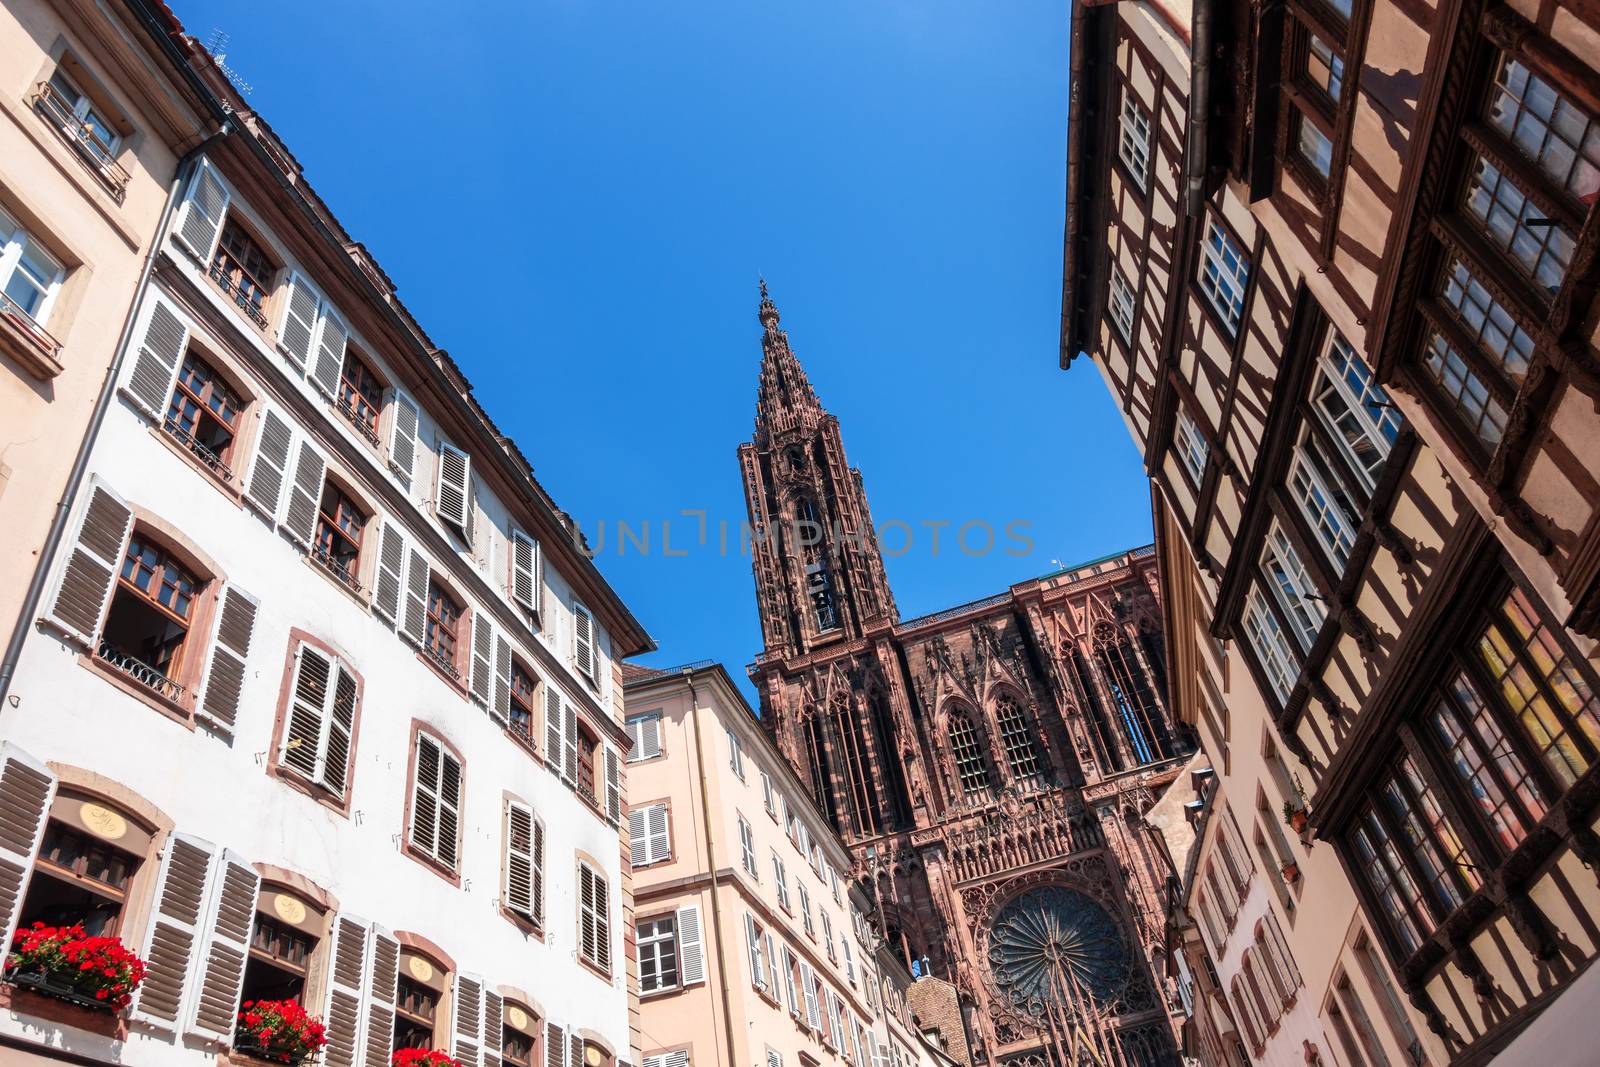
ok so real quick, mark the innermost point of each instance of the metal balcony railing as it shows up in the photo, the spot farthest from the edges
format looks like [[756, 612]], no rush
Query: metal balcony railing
[[356, 419], [242, 296], [80, 137], [25, 322], [442, 661], [336, 567], [204, 454], [139, 671]]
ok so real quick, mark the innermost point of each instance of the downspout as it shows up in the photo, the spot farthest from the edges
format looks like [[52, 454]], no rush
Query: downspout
[[102, 404], [711, 860], [1194, 160]]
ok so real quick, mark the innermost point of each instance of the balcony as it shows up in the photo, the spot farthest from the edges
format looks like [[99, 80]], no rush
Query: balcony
[[95, 153], [129, 665], [201, 452], [24, 340]]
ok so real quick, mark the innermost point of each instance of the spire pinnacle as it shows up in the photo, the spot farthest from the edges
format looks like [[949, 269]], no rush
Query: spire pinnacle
[[784, 386]]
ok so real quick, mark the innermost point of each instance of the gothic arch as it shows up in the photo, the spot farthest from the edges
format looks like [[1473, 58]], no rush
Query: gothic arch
[[972, 773], [1021, 736]]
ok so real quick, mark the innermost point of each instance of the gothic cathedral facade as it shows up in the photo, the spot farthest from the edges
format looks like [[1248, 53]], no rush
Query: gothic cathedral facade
[[988, 765]]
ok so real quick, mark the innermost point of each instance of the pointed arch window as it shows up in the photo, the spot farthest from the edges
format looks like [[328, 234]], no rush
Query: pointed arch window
[[1015, 738], [971, 770]]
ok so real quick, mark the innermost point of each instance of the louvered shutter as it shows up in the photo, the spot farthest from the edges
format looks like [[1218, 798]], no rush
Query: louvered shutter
[[466, 1043], [638, 837], [308, 710], [555, 1046], [660, 831], [808, 978], [482, 680], [382, 985], [271, 466], [569, 730], [347, 975], [772, 967], [85, 588], [583, 641], [774, 1059], [299, 325], [340, 729], [574, 1049], [613, 785], [849, 963], [415, 627], [795, 1003], [155, 365], [752, 944], [233, 912], [223, 685], [425, 796], [26, 789], [175, 930], [500, 707], [391, 571], [203, 211], [449, 809], [493, 1028], [331, 340], [519, 859], [538, 871], [552, 727], [450, 495], [403, 435], [471, 526], [305, 495], [524, 571], [691, 946]]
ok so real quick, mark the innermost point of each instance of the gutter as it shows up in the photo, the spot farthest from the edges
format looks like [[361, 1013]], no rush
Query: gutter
[[1194, 160], [711, 862], [1075, 140]]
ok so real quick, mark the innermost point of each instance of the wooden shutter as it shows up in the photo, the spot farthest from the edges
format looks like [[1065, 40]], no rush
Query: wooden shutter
[[691, 946], [482, 678], [500, 706], [466, 1042], [223, 685], [796, 1005], [638, 837], [299, 324], [381, 989], [26, 789], [519, 859], [613, 785], [415, 626], [403, 435], [175, 929], [660, 832], [569, 729], [391, 571], [347, 975], [425, 796], [552, 727], [493, 1028], [450, 495], [331, 340], [808, 978], [574, 1049], [524, 571], [90, 575], [538, 871], [233, 912], [583, 641], [595, 927], [155, 366], [555, 1046], [449, 809], [752, 944], [271, 466], [340, 729], [308, 712], [305, 495], [772, 968], [203, 211]]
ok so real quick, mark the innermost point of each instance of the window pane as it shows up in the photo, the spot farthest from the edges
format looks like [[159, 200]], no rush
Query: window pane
[[1514, 224], [1224, 272], [1134, 146], [1497, 333], [1547, 127], [1325, 68], [1355, 408], [1292, 586], [1270, 644], [1390, 881], [1430, 841], [1323, 501], [1471, 744], [1465, 391], [1315, 148], [1122, 304], [1193, 448]]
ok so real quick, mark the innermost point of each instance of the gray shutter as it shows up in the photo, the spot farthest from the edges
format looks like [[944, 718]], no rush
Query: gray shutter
[[299, 325], [403, 435], [500, 707], [271, 464], [468, 1010], [223, 686], [305, 495], [84, 592], [482, 657], [203, 212], [519, 859], [382, 985], [449, 808], [613, 785], [574, 1049], [331, 340], [341, 728], [347, 975], [524, 571], [415, 627], [493, 1028], [583, 641], [538, 871], [26, 788], [174, 932], [155, 366], [552, 727], [233, 912], [425, 795], [450, 494], [391, 571]]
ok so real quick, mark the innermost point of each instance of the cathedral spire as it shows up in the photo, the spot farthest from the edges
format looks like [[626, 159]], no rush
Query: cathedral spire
[[785, 395]]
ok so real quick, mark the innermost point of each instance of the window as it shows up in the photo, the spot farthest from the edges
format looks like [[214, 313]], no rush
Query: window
[[147, 630], [644, 736], [1314, 146], [1324, 68], [805, 910], [1477, 356], [1123, 303], [594, 918], [735, 754], [243, 270], [1514, 224], [1193, 449], [1354, 408], [444, 621], [1133, 147], [780, 878], [339, 531], [283, 937], [1323, 500], [588, 751], [523, 702], [971, 769], [1547, 127], [1270, 645], [360, 396], [1224, 273], [658, 954], [85, 122], [203, 414], [29, 276], [1291, 586], [769, 796], [747, 846], [435, 802], [417, 995], [80, 875], [320, 720], [519, 1036], [1017, 740], [649, 831]]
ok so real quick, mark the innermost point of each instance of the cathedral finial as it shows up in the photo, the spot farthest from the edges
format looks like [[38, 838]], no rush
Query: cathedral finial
[[768, 311]]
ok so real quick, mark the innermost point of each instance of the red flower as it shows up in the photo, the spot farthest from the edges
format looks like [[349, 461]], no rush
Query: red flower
[[100, 967], [280, 1026]]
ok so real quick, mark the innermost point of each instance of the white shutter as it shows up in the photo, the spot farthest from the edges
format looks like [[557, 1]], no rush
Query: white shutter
[[774, 1059], [493, 1028], [155, 366], [450, 494], [772, 968], [519, 859], [525, 571], [347, 979], [382, 983], [808, 978], [849, 962], [271, 466], [538, 871], [415, 626], [795, 1002], [305, 495], [660, 830], [309, 695], [299, 326], [500, 707], [482, 679], [583, 641], [638, 837], [331, 340], [691, 949], [204, 208], [552, 727], [339, 730], [613, 785], [172, 939], [403, 435], [223, 685], [752, 943], [232, 915], [27, 787], [391, 571], [84, 591], [569, 729], [468, 1010], [644, 731]]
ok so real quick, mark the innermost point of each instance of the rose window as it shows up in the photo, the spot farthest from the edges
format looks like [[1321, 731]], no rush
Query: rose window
[[1052, 947]]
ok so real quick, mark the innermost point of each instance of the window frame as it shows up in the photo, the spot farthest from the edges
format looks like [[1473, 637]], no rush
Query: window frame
[[450, 869], [14, 243], [1230, 320], [644, 943], [1131, 141]]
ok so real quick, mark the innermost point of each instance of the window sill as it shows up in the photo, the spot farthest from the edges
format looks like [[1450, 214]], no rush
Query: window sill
[[661, 994], [454, 683], [223, 485], [433, 865], [175, 710], [321, 794], [29, 345], [357, 596], [594, 968], [525, 743], [528, 927], [33, 1005]]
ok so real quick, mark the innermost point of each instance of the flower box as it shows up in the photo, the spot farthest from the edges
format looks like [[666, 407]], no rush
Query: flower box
[[422, 1057], [58, 988], [63, 962], [278, 1031]]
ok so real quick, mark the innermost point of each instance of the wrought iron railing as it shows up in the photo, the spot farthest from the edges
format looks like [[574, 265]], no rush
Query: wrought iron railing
[[13, 311], [442, 661], [242, 296], [137, 669], [586, 791], [336, 567], [358, 420], [82, 138], [201, 452]]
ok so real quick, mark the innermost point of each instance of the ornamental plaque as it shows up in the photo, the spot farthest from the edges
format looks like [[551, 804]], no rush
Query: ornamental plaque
[[420, 968], [518, 1017], [289, 909], [103, 822]]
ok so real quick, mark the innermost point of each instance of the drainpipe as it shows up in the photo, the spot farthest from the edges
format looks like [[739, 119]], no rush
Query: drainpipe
[[711, 860], [102, 404], [1194, 160]]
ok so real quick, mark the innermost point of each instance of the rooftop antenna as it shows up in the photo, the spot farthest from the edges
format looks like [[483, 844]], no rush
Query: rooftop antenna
[[217, 45]]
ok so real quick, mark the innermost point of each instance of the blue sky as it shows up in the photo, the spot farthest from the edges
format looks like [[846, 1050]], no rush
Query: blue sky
[[575, 199]]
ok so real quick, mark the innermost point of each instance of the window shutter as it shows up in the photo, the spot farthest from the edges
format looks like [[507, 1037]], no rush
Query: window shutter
[[415, 627], [305, 495], [638, 837], [646, 732], [155, 366], [331, 340], [691, 949], [203, 211], [381, 990], [271, 464], [26, 789], [85, 589], [574, 1049], [449, 809], [808, 978], [583, 641], [340, 728], [468, 1004], [223, 685], [849, 962], [660, 832], [774, 1059], [569, 729], [752, 944], [170, 943], [679, 1058], [524, 571], [308, 711], [613, 786], [403, 435], [425, 796], [493, 1028], [795, 1003], [391, 571], [482, 682], [471, 526], [552, 727], [772, 968], [500, 708], [519, 859], [538, 871], [555, 1046], [232, 913], [346, 977], [299, 324], [450, 495]]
